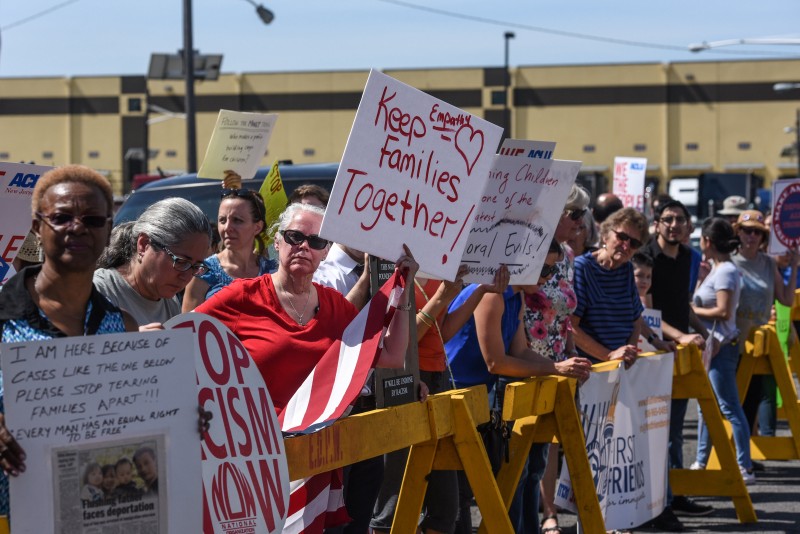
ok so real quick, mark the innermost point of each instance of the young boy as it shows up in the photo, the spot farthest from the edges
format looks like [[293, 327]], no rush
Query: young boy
[[643, 275]]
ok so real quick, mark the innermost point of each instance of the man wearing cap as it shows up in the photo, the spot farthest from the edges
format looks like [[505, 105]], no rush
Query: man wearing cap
[[732, 207]]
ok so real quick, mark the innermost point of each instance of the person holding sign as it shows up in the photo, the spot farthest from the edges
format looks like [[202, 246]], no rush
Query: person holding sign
[[242, 229], [608, 318], [150, 260], [72, 209]]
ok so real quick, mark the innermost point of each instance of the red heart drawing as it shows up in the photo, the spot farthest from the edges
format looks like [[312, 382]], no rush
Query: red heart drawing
[[469, 145]]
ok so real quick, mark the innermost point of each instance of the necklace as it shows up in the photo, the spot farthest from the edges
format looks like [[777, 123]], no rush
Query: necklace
[[305, 308]]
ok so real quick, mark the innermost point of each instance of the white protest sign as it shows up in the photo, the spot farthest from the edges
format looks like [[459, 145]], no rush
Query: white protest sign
[[412, 172], [245, 473], [651, 318], [238, 143], [625, 416], [17, 181], [629, 181], [96, 398], [519, 211], [785, 216]]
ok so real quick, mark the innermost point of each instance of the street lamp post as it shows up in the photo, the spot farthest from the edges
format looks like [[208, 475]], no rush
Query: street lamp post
[[707, 45], [507, 79]]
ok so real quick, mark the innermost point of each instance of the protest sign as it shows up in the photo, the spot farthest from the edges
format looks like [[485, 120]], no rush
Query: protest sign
[[629, 181], [412, 172], [274, 196], [238, 143], [17, 181], [519, 210], [625, 416], [245, 474], [785, 216], [78, 401], [651, 318]]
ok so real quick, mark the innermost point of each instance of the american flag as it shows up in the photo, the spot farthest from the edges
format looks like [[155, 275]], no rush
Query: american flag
[[326, 395]]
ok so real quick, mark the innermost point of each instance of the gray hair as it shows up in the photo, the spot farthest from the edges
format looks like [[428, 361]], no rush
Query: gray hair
[[167, 222], [286, 217], [591, 230], [578, 198]]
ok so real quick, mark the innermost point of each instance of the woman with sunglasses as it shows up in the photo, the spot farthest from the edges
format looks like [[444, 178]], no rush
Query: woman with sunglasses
[[242, 230], [150, 260], [762, 284], [607, 319], [72, 209]]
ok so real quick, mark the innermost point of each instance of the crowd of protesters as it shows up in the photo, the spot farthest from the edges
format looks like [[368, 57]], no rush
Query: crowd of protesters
[[289, 301]]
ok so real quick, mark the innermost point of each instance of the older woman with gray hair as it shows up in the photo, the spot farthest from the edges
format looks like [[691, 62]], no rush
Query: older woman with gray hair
[[151, 259]]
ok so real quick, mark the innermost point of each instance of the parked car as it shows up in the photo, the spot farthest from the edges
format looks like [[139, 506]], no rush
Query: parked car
[[206, 193]]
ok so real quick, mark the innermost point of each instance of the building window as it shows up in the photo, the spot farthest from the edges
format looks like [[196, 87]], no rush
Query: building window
[[47, 155], [744, 145], [134, 104], [171, 153], [94, 154], [5, 155], [498, 98], [309, 151], [640, 147], [692, 146], [589, 148]]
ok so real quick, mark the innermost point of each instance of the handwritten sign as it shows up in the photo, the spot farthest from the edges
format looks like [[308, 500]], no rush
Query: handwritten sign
[[519, 210], [98, 392], [17, 181], [785, 216], [412, 172], [274, 196], [245, 473], [238, 143], [629, 181]]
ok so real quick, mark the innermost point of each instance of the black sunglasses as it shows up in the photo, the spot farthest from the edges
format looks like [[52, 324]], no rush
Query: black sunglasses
[[59, 221], [575, 214], [295, 237], [246, 194], [182, 264], [622, 236], [548, 270]]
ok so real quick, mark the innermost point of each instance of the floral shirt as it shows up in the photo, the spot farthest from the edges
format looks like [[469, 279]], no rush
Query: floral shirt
[[548, 311]]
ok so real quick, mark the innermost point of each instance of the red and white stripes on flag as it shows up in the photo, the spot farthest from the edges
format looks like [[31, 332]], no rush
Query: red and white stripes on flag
[[336, 381], [334, 384]]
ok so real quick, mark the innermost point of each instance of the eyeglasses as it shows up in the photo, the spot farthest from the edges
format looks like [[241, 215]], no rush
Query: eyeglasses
[[295, 237], [680, 221], [246, 194], [60, 221], [548, 270], [749, 230], [182, 264], [622, 236], [575, 214]]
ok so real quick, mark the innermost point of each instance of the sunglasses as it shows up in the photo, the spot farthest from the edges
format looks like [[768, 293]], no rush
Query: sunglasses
[[245, 194], [750, 230], [680, 221], [548, 270], [622, 236], [295, 237], [182, 264], [575, 214], [60, 221]]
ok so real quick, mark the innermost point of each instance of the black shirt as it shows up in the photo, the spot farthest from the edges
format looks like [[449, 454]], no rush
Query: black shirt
[[670, 289]]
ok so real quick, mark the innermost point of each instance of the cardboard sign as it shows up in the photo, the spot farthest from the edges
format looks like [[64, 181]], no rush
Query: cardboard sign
[[412, 172], [245, 474], [625, 416], [629, 181], [519, 211], [238, 144], [652, 318], [80, 400], [17, 181], [785, 216]]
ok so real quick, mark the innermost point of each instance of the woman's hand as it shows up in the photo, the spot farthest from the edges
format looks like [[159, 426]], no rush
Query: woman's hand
[[424, 391], [231, 180], [500, 282], [576, 367], [407, 266], [204, 420], [665, 345], [450, 290], [12, 457], [627, 353], [149, 327]]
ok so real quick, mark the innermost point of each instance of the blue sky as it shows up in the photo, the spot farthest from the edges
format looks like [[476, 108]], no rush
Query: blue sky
[[96, 37]]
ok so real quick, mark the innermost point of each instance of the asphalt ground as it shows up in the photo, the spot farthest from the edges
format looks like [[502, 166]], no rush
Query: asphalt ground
[[775, 495]]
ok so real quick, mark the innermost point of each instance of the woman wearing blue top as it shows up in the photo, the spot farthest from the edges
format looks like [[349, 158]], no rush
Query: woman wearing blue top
[[242, 229], [715, 303], [72, 209], [607, 320]]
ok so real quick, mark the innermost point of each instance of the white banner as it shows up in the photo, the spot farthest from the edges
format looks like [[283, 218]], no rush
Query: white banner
[[629, 181], [625, 417]]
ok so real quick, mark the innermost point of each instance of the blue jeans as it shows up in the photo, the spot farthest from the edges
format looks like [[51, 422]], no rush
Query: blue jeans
[[723, 381], [524, 511]]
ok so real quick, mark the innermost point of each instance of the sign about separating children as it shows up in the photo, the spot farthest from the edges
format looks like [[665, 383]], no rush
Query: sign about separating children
[[412, 172], [651, 318], [518, 213], [629, 181], [245, 473], [120, 403], [238, 144], [17, 181], [785, 232], [625, 416]]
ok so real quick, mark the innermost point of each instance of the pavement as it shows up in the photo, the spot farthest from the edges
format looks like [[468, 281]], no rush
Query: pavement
[[775, 496]]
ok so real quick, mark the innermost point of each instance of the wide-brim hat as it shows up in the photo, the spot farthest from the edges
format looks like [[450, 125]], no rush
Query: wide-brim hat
[[752, 219], [733, 205]]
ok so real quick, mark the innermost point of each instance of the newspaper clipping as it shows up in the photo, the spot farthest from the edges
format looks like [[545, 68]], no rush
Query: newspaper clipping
[[110, 488]]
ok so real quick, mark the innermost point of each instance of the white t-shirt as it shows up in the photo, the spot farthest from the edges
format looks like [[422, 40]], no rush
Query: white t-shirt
[[113, 286], [723, 277]]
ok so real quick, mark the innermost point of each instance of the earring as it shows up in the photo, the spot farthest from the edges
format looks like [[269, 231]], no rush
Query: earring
[[140, 256]]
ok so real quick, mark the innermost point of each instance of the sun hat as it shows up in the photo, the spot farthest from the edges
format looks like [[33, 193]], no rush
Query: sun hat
[[733, 205], [752, 219]]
